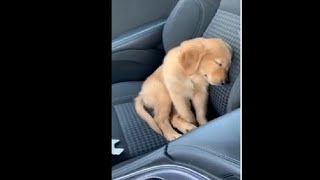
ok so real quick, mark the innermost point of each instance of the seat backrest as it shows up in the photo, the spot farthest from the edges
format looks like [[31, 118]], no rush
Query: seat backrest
[[210, 18]]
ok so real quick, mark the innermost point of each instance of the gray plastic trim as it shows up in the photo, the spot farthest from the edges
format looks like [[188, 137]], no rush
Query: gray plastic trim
[[163, 172]]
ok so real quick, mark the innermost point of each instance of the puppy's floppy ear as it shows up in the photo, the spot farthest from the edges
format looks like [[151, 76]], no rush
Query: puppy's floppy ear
[[191, 55], [229, 47]]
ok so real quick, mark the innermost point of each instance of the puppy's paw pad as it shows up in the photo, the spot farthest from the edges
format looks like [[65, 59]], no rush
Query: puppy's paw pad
[[190, 127]]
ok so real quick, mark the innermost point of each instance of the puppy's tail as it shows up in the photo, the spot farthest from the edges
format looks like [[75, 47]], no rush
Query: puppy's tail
[[139, 106]]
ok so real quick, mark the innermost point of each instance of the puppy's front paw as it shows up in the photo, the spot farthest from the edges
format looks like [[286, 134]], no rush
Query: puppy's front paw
[[192, 121], [172, 137], [202, 121], [188, 128]]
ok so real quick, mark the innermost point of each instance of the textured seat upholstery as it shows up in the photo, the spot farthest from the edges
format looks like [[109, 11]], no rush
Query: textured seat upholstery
[[189, 19]]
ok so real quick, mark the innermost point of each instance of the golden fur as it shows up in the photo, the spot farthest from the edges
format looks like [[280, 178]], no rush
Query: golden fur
[[184, 75]]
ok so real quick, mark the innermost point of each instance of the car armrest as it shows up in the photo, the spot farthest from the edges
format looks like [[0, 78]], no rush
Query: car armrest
[[143, 37], [214, 147], [137, 54]]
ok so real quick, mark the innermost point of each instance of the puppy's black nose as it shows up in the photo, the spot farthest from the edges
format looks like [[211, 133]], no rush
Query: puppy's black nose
[[227, 79], [223, 82]]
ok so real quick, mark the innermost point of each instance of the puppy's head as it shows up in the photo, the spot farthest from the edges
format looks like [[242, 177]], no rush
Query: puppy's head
[[209, 57]]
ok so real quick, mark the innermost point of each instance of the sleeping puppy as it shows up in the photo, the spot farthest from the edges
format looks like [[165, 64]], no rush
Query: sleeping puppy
[[184, 75]]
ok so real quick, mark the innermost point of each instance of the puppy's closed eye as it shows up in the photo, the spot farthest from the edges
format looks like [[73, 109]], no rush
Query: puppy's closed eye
[[220, 64]]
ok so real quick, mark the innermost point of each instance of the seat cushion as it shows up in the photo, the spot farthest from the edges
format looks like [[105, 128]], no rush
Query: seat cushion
[[189, 19], [210, 19], [134, 134], [226, 25]]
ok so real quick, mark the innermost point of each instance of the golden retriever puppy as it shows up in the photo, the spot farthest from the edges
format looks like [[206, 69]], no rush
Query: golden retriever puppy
[[183, 77]]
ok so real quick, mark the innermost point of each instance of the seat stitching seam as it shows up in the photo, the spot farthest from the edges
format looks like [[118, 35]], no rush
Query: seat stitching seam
[[123, 98], [200, 17], [216, 154]]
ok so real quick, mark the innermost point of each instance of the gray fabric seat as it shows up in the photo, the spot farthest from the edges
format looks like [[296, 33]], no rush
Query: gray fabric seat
[[134, 134], [189, 19]]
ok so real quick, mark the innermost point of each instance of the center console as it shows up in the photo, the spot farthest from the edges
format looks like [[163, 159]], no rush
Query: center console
[[208, 152]]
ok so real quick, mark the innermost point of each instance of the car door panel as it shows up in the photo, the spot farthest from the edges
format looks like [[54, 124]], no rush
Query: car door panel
[[137, 48], [130, 14]]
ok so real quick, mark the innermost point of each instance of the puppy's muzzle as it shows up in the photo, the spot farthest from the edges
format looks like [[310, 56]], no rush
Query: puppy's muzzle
[[225, 81]]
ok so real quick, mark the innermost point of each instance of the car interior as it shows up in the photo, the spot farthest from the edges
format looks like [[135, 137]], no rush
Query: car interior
[[143, 31]]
